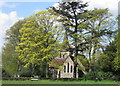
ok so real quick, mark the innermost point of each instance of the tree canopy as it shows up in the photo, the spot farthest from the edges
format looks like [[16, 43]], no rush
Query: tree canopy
[[32, 43]]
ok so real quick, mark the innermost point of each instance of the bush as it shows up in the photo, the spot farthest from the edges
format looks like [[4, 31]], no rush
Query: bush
[[6, 78], [68, 79], [115, 78], [16, 78], [5, 74], [98, 76], [22, 78], [62, 79]]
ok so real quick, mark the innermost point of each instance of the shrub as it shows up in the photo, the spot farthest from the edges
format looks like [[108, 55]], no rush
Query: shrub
[[115, 78], [98, 76], [16, 78]]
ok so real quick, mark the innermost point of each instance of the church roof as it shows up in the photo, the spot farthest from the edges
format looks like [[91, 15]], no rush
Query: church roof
[[57, 62]]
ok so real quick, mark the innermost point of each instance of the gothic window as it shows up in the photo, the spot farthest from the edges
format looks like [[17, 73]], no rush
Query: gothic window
[[71, 68], [68, 68], [63, 56]]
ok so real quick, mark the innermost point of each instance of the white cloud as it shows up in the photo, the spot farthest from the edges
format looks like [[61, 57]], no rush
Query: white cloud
[[56, 4], [6, 21], [112, 5], [5, 4]]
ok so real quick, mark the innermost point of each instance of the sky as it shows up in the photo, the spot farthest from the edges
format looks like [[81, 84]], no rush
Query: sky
[[14, 10]]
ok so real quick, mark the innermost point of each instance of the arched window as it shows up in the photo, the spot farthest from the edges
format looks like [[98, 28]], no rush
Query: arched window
[[63, 56], [64, 68], [68, 68], [71, 68]]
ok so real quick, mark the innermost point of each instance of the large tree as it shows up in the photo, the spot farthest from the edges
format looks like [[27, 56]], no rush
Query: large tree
[[10, 62], [100, 31], [38, 41], [71, 16], [117, 59], [86, 30]]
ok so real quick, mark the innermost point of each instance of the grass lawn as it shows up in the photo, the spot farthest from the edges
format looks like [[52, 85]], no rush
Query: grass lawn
[[57, 82]]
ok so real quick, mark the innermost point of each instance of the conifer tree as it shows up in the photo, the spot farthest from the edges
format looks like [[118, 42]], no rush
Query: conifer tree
[[71, 16]]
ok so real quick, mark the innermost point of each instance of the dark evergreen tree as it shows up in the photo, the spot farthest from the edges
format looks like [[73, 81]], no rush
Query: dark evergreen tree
[[71, 15]]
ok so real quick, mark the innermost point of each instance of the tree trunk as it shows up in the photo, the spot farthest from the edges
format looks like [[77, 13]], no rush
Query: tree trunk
[[76, 53]]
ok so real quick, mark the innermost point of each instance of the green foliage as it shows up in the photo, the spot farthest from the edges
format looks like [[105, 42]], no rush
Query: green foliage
[[117, 63], [25, 72], [105, 63], [9, 56], [5, 74], [12, 34], [38, 41], [9, 60], [16, 78], [95, 75], [71, 17], [99, 28], [83, 64], [86, 30], [117, 59]]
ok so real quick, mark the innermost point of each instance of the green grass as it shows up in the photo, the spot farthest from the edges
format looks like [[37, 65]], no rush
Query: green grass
[[56, 82]]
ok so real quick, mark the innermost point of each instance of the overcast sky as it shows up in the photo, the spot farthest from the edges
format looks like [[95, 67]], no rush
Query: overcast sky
[[12, 11]]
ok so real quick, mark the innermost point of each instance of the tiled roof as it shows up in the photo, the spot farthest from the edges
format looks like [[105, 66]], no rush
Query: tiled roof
[[57, 62]]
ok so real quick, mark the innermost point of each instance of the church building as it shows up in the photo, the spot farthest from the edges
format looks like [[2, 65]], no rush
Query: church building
[[63, 66]]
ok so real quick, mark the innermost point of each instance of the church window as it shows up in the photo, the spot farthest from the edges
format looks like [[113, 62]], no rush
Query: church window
[[68, 68], [71, 68]]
